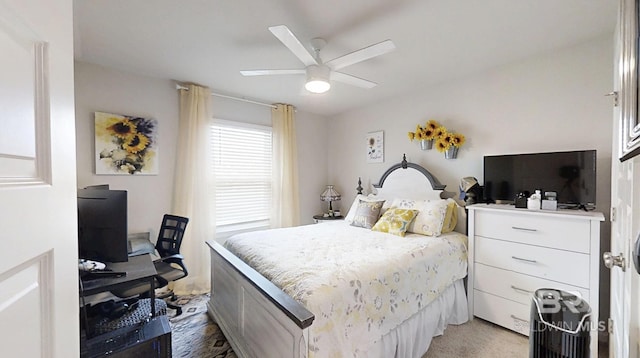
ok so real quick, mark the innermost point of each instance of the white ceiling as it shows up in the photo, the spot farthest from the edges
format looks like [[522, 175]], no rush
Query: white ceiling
[[210, 41]]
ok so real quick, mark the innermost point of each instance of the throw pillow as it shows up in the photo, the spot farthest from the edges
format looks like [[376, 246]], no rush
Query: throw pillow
[[367, 213], [431, 217], [451, 217], [395, 221], [354, 206]]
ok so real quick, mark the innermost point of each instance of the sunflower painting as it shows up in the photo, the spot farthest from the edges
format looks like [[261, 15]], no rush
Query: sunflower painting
[[375, 147], [125, 145]]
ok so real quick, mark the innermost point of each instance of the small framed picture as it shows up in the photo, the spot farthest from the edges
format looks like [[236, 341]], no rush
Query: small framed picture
[[375, 147]]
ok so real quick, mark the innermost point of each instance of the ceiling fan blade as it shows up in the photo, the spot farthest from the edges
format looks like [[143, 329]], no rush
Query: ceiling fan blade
[[271, 72], [293, 44], [362, 55], [352, 80]]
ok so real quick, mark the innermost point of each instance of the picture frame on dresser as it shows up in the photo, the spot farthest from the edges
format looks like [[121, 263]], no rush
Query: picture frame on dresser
[[513, 252]]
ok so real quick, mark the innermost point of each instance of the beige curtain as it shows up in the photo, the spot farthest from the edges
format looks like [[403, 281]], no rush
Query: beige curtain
[[191, 194], [285, 204]]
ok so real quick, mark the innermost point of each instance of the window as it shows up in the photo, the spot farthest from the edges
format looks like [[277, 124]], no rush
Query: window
[[241, 155]]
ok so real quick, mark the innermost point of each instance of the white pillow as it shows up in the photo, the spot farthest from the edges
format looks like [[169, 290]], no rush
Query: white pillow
[[431, 215]]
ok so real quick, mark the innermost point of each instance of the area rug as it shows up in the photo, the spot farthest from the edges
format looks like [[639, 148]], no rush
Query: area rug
[[194, 334]]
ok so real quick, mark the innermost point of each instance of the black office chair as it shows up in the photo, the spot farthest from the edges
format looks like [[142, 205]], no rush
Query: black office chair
[[170, 266]]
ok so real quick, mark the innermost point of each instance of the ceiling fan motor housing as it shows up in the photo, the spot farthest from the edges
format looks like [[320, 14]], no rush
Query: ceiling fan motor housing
[[318, 78]]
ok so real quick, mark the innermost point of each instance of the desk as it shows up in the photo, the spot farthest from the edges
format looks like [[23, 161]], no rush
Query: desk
[[151, 338], [138, 269]]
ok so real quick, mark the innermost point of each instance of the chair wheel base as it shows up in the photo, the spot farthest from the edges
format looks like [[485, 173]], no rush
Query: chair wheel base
[[177, 308]]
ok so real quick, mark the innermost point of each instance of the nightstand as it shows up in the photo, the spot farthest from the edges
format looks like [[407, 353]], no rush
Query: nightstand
[[321, 218]]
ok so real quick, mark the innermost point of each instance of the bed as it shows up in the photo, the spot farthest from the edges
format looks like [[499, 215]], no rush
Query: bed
[[348, 288]]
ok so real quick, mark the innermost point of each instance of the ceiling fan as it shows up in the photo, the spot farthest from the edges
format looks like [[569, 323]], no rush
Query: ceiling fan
[[319, 73]]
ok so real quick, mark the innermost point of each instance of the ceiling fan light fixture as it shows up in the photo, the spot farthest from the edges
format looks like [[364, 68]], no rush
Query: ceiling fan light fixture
[[317, 79]]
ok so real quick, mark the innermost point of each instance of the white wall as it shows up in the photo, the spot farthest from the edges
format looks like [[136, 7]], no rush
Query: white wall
[[552, 102], [105, 90], [102, 89]]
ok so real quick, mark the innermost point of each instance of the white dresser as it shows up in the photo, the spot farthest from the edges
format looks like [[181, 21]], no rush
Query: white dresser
[[513, 252]]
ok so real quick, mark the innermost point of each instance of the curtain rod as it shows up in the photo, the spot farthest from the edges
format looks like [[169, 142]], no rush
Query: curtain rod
[[179, 87]]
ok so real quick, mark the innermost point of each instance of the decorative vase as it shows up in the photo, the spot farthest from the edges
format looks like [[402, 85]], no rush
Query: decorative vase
[[451, 153], [426, 144]]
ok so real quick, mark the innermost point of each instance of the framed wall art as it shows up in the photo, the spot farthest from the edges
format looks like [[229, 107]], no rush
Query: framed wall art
[[125, 145], [375, 147]]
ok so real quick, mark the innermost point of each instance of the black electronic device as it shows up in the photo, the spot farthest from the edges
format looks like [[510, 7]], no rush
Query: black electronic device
[[150, 339], [98, 187], [102, 225], [98, 274], [571, 174]]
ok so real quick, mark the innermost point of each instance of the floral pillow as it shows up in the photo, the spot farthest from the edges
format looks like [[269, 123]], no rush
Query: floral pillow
[[367, 213], [432, 215], [395, 221]]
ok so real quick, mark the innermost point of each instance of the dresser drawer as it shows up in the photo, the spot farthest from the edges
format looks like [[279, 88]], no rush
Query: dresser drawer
[[560, 232], [516, 286], [557, 265], [509, 314]]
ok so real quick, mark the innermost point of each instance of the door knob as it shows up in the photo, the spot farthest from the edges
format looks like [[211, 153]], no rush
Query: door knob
[[611, 260]]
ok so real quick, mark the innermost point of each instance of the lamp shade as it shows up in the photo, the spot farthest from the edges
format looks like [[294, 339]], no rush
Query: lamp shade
[[330, 194]]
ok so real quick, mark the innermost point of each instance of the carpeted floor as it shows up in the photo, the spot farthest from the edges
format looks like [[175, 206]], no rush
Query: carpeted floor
[[478, 339], [194, 334]]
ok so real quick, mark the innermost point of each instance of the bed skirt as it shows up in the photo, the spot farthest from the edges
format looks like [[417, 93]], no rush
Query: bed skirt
[[413, 337]]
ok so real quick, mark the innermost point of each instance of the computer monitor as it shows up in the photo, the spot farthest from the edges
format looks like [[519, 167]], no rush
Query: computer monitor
[[102, 225]]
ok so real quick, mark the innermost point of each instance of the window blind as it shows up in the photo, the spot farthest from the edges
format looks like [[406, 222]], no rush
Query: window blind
[[241, 157]]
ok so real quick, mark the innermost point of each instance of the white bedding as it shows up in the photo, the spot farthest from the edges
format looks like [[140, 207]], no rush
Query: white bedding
[[358, 283]]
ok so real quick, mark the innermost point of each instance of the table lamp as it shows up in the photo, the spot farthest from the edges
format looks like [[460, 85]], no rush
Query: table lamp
[[330, 194]]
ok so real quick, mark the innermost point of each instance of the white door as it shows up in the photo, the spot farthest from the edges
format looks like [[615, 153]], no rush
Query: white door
[[625, 285], [38, 244], [625, 196]]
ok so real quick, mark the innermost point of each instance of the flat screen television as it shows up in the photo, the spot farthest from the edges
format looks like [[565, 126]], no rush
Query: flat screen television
[[572, 175], [102, 225]]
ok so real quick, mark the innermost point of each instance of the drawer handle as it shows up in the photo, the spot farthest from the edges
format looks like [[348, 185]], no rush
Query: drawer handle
[[519, 319], [520, 289], [523, 228], [525, 260]]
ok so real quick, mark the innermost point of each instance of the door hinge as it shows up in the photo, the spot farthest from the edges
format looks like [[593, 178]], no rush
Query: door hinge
[[615, 97], [609, 325], [612, 216]]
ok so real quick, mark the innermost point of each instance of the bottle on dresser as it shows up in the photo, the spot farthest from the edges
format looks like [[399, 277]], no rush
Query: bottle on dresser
[[533, 203]]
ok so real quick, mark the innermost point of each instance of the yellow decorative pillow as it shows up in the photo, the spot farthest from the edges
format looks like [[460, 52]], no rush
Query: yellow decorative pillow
[[395, 221], [451, 217]]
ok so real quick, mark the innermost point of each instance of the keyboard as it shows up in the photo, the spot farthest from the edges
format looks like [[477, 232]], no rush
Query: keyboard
[[92, 275]]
